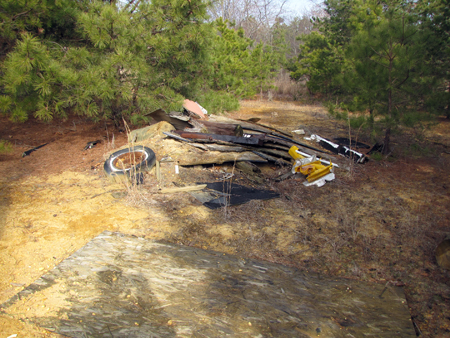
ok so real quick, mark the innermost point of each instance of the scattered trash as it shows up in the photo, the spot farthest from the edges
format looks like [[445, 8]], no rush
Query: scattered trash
[[28, 152], [299, 132], [351, 143], [194, 108], [339, 148], [130, 162], [321, 181], [297, 151], [217, 139], [92, 144], [13, 335], [315, 172]]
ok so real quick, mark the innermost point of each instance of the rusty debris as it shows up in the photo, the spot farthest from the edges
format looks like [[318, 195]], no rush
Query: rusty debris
[[210, 139]]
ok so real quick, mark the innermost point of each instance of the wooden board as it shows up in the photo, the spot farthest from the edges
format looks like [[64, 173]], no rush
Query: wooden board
[[124, 286]]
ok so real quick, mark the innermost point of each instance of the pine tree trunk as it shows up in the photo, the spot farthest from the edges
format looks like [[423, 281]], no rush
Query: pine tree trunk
[[387, 135], [387, 142], [447, 109]]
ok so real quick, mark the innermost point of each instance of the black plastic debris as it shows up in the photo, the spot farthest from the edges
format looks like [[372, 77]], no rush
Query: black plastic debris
[[341, 149], [92, 144], [226, 194], [355, 144], [28, 152]]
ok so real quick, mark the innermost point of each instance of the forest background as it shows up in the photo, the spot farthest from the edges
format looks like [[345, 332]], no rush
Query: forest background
[[378, 64]]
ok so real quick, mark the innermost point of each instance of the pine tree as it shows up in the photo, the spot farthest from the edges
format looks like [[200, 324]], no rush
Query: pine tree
[[386, 59], [370, 59], [264, 65], [125, 63], [320, 62], [435, 18], [230, 54]]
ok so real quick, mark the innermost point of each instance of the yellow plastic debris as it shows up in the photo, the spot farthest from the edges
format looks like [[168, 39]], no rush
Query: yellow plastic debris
[[294, 154], [309, 167], [319, 172]]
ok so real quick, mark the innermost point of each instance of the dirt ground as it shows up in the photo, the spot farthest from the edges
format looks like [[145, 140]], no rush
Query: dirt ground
[[378, 222]]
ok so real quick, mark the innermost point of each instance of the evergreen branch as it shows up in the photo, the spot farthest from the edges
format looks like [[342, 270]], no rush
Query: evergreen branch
[[379, 63], [20, 14], [379, 54], [404, 80]]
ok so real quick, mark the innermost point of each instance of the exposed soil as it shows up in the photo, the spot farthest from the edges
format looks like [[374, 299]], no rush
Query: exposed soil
[[378, 222]]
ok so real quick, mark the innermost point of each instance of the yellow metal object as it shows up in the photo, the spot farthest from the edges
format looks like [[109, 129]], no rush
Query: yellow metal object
[[309, 168], [319, 173], [294, 154], [313, 170]]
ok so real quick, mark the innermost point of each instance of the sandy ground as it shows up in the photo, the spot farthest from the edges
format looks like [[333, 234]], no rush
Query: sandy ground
[[380, 222]]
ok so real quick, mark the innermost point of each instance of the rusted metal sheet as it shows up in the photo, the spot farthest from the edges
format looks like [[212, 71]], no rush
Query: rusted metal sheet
[[125, 286]]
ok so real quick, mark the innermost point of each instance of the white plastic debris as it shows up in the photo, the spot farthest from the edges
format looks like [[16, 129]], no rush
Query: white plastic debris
[[359, 157], [303, 161], [321, 181], [299, 132], [13, 335], [321, 160]]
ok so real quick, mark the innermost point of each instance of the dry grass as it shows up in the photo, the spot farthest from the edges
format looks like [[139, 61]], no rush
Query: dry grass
[[380, 223], [5, 147], [288, 89]]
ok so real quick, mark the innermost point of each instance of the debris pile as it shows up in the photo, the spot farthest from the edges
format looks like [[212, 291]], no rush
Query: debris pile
[[192, 137], [260, 143]]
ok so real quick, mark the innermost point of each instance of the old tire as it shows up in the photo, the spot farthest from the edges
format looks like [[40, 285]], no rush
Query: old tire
[[129, 162]]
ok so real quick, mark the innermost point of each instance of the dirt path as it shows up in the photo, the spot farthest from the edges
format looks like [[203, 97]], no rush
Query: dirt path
[[380, 223]]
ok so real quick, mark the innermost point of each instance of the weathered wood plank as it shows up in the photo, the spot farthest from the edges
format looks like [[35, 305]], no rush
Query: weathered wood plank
[[124, 286], [222, 128], [251, 140], [216, 157], [248, 125], [219, 147], [182, 189]]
